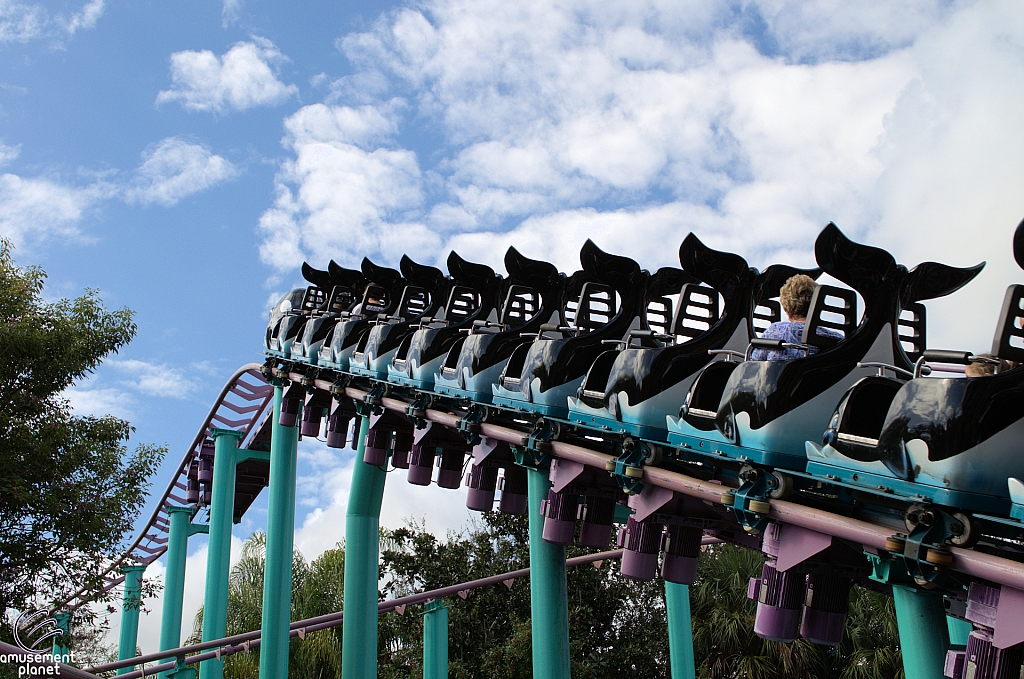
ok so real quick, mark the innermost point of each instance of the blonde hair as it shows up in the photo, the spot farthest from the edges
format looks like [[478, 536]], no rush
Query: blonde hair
[[795, 295]]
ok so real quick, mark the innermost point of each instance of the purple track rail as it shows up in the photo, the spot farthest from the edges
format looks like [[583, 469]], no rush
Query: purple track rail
[[240, 405]]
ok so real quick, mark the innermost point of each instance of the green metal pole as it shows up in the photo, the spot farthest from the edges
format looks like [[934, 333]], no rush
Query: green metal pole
[[958, 630], [180, 519], [924, 637], [130, 605], [362, 545], [549, 600], [277, 579], [60, 643], [680, 631], [218, 558], [435, 641]]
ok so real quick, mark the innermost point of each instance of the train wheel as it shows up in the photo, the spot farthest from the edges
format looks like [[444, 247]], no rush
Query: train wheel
[[784, 486], [939, 556], [759, 506], [969, 533], [895, 544]]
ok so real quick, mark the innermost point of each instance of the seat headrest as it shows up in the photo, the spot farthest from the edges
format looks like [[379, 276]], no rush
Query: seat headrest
[[1008, 343], [827, 303]]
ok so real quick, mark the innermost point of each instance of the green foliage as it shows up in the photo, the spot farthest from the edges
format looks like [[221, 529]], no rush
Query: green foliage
[[725, 644], [617, 626], [69, 490]]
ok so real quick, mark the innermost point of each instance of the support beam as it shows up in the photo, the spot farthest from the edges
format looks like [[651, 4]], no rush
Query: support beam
[[218, 560], [680, 631], [60, 643], [924, 637], [277, 580], [130, 605], [178, 532], [549, 605], [362, 556], [435, 640]]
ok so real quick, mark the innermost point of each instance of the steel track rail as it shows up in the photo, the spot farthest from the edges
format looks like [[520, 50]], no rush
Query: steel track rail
[[969, 562], [250, 640], [247, 398]]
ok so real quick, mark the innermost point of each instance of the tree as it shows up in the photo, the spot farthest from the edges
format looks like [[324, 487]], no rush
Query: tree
[[69, 490]]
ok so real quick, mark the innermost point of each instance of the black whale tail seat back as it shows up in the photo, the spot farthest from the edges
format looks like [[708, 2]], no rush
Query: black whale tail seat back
[[956, 415], [473, 295], [598, 316], [381, 289], [423, 296], [750, 307], [384, 287], [533, 296], [700, 324], [766, 390]]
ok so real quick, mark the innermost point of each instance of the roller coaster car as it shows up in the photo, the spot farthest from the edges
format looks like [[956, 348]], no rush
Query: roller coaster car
[[768, 409], [345, 286], [288, 317], [552, 369], [422, 298], [472, 302], [383, 289], [956, 440], [533, 297], [630, 389]]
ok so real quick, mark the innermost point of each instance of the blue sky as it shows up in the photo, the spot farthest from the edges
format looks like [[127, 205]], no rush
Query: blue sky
[[186, 157]]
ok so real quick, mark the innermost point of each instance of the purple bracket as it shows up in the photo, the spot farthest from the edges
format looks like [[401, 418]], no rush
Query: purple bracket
[[564, 472], [649, 500], [1009, 631], [797, 545], [483, 449]]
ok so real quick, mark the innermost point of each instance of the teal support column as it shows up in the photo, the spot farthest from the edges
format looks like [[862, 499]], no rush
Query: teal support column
[[178, 533], [924, 637], [362, 555], [218, 558], [680, 631], [277, 579], [549, 601], [60, 643], [130, 605], [958, 630], [435, 641]]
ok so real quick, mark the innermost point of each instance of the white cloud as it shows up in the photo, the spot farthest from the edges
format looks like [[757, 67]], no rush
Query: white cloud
[[154, 379], [34, 209], [242, 78], [230, 12], [8, 153], [348, 197], [324, 486], [101, 401], [21, 22], [751, 124], [85, 19], [173, 169]]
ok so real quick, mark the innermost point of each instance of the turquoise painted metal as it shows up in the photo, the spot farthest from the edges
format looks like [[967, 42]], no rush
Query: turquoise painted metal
[[549, 601], [178, 533], [680, 631], [958, 631], [60, 643], [277, 579], [130, 605], [218, 559], [362, 545], [924, 636], [435, 640]]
